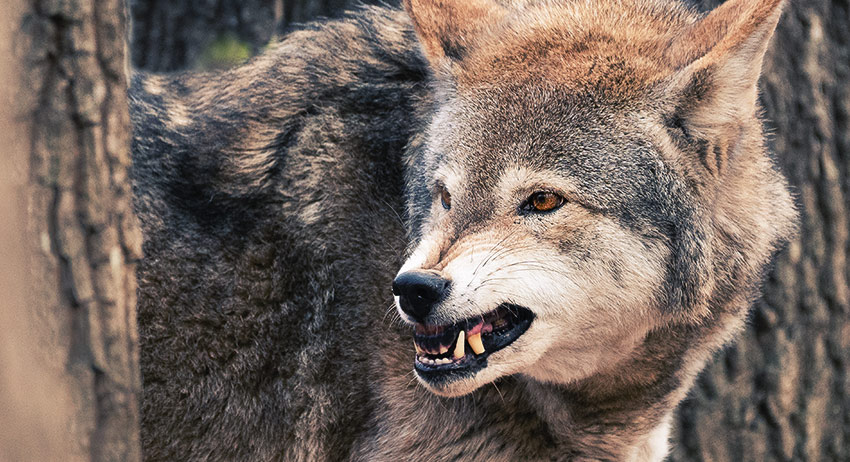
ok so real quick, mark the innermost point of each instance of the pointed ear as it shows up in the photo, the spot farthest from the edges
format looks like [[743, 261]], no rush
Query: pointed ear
[[447, 29], [720, 60]]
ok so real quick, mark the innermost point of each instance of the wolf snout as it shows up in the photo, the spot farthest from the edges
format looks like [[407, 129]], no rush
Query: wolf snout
[[419, 292]]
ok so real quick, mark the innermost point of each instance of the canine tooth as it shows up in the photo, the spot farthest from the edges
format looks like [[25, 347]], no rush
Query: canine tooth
[[475, 343], [459, 347], [418, 350]]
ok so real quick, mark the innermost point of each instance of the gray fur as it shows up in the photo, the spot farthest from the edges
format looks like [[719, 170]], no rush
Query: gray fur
[[277, 201]]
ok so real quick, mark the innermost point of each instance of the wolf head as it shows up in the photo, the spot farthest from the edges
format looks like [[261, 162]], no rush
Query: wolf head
[[593, 171]]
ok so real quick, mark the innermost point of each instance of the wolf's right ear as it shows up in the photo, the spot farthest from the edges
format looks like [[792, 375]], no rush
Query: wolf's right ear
[[447, 29], [720, 60]]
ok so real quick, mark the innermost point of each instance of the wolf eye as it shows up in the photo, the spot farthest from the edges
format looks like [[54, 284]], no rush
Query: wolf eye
[[543, 201], [445, 198]]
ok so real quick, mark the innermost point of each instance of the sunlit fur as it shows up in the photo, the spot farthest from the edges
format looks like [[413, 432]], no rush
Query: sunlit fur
[[279, 199], [593, 302], [551, 94]]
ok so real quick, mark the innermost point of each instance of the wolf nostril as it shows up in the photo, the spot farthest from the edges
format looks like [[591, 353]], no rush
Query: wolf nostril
[[419, 292]]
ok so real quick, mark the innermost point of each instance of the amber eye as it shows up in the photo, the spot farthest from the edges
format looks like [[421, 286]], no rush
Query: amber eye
[[445, 198], [543, 201]]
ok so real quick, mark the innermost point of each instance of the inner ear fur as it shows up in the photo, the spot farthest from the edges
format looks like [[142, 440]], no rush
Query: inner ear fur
[[714, 91], [447, 29], [720, 60]]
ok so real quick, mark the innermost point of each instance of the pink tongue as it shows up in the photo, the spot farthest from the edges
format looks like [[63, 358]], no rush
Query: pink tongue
[[475, 329]]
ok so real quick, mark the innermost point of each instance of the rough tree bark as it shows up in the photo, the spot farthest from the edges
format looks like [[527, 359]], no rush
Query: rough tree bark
[[68, 354]]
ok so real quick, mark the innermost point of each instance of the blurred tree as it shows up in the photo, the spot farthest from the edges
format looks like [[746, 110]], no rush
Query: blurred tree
[[170, 35], [69, 375]]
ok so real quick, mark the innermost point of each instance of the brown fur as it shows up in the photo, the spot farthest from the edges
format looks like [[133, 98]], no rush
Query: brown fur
[[267, 196], [656, 73]]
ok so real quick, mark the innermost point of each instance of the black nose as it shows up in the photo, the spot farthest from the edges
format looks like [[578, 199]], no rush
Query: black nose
[[419, 291]]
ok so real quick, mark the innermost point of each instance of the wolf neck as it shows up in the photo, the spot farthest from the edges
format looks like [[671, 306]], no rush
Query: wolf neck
[[626, 412], [623, 416], [623, 425]]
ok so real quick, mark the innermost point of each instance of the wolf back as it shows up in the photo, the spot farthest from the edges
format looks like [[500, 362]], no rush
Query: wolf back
[[279, 199], [269, 199]]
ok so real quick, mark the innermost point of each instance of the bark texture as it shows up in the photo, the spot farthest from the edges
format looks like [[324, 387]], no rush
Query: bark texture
[[69, 363], [171, 35], [782, 392]]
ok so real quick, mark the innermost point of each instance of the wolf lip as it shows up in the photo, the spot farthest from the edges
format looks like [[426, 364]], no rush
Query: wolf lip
[[463, 347]]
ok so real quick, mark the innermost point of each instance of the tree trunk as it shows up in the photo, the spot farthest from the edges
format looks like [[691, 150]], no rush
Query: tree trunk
[[172, 35], [69, 375], [783, 392]]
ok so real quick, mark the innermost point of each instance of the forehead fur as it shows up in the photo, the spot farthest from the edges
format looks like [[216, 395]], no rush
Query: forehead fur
[[612, 47]]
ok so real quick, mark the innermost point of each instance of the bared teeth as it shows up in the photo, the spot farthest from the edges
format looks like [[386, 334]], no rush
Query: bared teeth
[[460, 346], [443, 349], [475, 343], [418, 350]]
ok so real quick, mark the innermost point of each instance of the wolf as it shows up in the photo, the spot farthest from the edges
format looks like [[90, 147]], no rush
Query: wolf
[[461, 230]]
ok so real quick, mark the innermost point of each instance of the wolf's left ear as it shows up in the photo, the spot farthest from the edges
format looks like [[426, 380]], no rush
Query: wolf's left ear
[[447, 29], [720, 62]]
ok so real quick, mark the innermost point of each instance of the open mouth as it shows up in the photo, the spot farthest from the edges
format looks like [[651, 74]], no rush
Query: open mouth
[[463, 348]]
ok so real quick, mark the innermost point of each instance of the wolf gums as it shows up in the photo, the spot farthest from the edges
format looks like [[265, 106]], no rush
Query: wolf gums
[[571, 201]]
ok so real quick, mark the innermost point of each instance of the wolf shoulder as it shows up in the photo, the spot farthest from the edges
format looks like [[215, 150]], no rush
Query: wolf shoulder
[[269, 196], [226, 139]]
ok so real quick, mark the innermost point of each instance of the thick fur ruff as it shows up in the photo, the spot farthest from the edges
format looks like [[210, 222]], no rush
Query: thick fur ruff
[[279, 200]]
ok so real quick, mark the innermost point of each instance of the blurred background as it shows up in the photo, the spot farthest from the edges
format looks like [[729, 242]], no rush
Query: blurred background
[[782, 392], [173, 35]]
